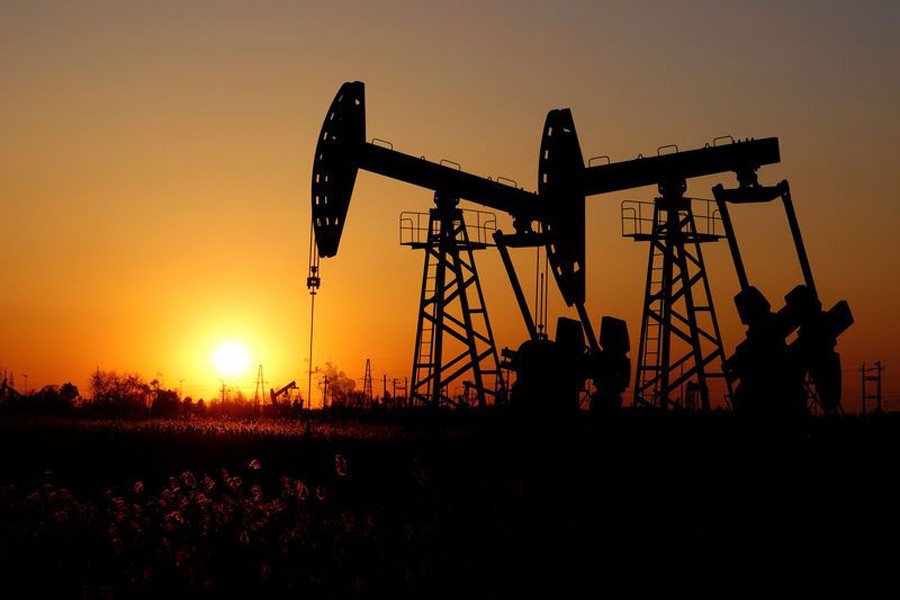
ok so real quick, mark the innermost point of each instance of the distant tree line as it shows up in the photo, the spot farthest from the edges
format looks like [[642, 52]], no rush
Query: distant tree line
[[50, 399], [122, 395], [128, 395]]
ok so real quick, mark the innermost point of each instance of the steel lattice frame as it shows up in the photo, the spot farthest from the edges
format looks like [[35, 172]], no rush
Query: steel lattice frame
[[452, 309], [680, 337]]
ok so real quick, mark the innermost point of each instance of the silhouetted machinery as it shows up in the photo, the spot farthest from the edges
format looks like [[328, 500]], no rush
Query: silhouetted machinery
[[560, 368], [274, 395], [7, 391], [447, 309], [772, 373], [680, 338], [680, 344]]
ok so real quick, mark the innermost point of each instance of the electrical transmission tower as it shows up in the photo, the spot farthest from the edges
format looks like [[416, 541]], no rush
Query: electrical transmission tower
[[259, 394], [367, 383]]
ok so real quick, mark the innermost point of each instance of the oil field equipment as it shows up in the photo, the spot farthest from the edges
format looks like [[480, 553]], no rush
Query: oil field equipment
[[449, 272], [275, 395], [681, 347], [451, 305], [773, 373], [680, 342]]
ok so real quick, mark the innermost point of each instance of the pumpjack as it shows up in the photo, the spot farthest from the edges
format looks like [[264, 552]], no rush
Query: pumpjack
[[8, 391], [449, 274], [680, 344], [680, 341], [770, 375], [275, 395], [772, 372]]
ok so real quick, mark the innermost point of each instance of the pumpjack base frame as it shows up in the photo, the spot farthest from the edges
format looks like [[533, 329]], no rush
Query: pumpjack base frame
[[452, 311]]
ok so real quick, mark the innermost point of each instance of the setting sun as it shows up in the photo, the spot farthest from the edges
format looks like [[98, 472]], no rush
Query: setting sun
[[231, 358]]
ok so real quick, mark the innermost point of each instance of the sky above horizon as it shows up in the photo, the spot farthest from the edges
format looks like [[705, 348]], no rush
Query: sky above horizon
[[155, 162]]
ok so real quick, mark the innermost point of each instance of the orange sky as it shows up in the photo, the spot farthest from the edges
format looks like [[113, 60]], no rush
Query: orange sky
[[155, 164]]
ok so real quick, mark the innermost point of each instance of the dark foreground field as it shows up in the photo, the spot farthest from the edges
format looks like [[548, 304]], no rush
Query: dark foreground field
[[461, 507]]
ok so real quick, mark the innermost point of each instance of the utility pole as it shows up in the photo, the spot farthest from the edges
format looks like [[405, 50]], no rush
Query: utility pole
[[871, 374]]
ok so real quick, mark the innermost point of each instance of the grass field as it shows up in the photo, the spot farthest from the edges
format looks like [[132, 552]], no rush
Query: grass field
[[446, 507]]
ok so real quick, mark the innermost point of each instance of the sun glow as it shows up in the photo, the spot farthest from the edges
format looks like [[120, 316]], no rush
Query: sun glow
[[231, 358]]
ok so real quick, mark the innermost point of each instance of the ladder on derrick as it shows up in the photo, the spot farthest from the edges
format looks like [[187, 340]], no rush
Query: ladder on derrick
[[681, 346], [454, 338]]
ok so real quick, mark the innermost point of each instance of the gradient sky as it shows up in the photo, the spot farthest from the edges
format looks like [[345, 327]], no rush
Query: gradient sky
[[155, 162]]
